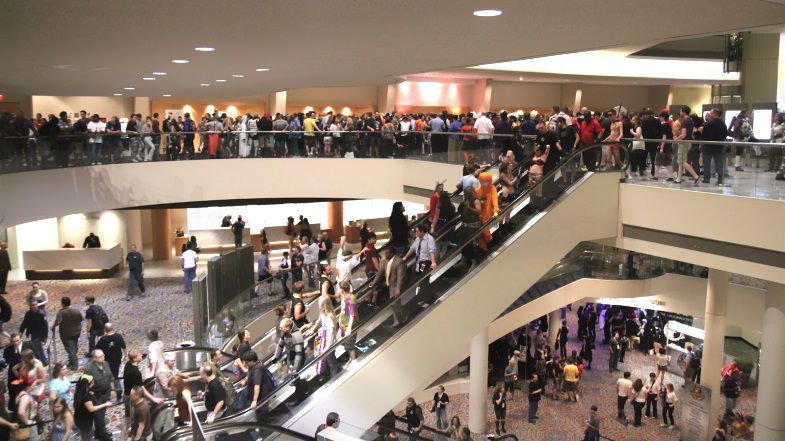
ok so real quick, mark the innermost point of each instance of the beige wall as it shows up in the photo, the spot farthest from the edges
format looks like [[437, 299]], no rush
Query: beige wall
[[658, 97], [759, 68], [694, 97], [15, 103], [358, 99], [102, 105], [107, 187], [602, 97], [525, 96], [109, 226], [198, 107]]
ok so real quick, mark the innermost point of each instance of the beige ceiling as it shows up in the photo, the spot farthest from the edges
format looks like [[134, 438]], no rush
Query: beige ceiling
[[90, 47]]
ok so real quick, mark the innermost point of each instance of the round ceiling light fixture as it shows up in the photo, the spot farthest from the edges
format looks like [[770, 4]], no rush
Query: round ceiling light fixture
[[487, 13], [204, 49], [179, 61]]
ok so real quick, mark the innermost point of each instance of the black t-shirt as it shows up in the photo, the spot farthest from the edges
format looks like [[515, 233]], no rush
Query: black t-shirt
[[568, 135], [668, 132], [688, 125], [328, 245], [132, 376], [543, 140], [714, 130], [297, 264], [237, 228], [113, 346], [5, 431], [80, 412], [533, 386], [651, 128], [500, 405], [96, 324], [215, 394], [626, 128], [303, 321]]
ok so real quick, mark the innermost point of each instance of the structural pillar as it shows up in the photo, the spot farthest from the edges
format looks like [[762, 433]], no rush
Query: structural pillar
[[478, 382], [335, 219], [277, 103], [554, 323], [770, 407], [714, 341], [163, 237]]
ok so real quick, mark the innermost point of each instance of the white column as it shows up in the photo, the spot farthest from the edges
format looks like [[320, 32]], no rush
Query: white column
[[554, 323], [478, 382], [770, 407], [714, 343]]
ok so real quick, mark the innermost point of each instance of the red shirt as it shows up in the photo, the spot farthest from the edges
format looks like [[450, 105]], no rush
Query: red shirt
[[434, 204], [590, 131]]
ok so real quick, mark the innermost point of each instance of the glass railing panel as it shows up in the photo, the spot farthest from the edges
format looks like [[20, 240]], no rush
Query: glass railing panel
[[377, 329]]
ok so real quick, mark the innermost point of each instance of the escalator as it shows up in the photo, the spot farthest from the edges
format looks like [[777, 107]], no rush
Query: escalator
[[238, 432], [446, 307]]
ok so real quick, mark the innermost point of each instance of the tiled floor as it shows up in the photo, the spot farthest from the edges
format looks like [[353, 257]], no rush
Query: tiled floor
[[752, 182], [564, 421]]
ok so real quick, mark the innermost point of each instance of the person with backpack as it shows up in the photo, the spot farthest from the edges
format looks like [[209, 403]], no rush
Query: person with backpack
[[96, 319], [258, 384], [741, 131], [189, 127]]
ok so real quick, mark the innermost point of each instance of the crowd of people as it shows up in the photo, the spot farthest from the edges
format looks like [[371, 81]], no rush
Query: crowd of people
[[57, 140]]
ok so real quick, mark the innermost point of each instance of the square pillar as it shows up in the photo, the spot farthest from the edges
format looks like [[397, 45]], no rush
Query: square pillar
[[163, 237]]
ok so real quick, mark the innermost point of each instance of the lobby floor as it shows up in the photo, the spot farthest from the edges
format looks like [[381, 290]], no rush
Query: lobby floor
[[753, 182], [564, 421]]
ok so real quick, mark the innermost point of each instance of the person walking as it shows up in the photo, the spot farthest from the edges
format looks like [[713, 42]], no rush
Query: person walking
[[189, 259], [135, 272], [112, 344], [592, 432], [561, 338], [440, 401], [5, 266], [535, 394], [623, 392], [35, 326], [70, 322], [103, 386], [96, 319]]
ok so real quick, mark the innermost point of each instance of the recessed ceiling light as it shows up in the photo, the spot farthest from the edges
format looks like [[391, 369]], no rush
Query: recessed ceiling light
[[204, 84], [520, 78], [476, 76], [705, 85], [220, 81], [204, 49], [179, 61], [487, 13], [117, 94], [262, 69], [238, 76], [148, 78], [159, 73], [130, 88], [166, 94]]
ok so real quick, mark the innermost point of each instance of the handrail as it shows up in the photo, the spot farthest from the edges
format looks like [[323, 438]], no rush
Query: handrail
[[270, 132], [426, 275], [428, 428], [701, 141], [248, 426]]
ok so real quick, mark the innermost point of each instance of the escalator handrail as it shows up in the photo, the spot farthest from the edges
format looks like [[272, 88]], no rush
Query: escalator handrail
[[361, 290], [424, 427], [409, 435], [425, 275], [173, 436], [422, 277]]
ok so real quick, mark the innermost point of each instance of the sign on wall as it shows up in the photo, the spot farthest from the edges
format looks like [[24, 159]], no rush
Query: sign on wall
[[695, 413], [175, 113]]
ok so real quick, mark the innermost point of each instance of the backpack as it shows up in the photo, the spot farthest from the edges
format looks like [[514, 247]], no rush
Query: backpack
[[100, 318], [187, 125], [5, 310], [231, 395]]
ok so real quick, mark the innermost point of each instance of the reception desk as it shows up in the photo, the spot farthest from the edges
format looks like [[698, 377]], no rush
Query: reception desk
[[72, 263], [218, 238]]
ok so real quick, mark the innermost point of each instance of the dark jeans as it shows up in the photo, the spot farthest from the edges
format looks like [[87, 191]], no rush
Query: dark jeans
[[667, 411], [637, 407], [620, 402], [284, 280], [3, 280], [238, 241], [40, 352], [69, 343], [101, 432], [533, 405], [623, 351], [638, 161], [134, 279], [94, 334], [188, 278], [651, 404], [719, 165], [612, 365]]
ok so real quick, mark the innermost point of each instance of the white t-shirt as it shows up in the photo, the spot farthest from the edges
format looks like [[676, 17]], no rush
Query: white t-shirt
[[189, 259], [671, 398], [96, 127], [484, 126], [623, 387], [662, 360], [344, 268]]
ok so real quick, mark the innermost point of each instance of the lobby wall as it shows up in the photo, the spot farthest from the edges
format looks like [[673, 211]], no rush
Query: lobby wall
[[197, 108], [102, 105], [694, 97], [109, 226], [526, 96], [358, 99]]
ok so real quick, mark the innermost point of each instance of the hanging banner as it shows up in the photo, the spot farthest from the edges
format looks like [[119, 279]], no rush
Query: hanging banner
[[695, 413]]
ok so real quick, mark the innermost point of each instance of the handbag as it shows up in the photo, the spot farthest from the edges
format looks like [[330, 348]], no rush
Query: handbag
[[22, 434], [556, 346]]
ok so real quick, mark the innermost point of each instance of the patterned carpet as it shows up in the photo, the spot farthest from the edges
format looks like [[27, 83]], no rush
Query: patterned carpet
[[165, 307], [564, 421]]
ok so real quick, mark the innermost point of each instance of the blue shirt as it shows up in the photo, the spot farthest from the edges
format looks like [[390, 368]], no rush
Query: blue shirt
[[60, 387], [455, 126], [528, 127], [263, 262]]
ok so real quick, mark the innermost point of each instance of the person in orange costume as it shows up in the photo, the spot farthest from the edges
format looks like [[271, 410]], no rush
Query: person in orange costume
[[489, 201]]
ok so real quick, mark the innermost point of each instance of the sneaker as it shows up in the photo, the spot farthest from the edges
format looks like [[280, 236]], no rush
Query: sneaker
[[671, 427], [663, 425], [739, 169]]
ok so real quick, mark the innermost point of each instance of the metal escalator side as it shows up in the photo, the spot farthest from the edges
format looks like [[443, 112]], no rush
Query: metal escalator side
[[431, 296]]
